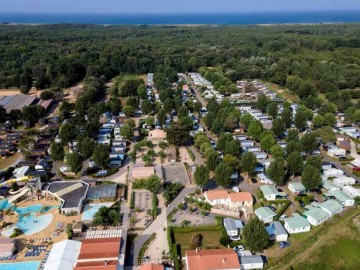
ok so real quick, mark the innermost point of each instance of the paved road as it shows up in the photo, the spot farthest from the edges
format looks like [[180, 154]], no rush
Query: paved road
[[125, 224], [160, 221]]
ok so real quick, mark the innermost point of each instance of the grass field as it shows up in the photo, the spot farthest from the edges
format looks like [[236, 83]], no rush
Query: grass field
[[210, 239], [332, 245]]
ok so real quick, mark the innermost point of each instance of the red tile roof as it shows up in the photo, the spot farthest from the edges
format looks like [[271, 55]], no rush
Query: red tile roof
[[212, 259], [98, 265], [216, 194], [151, 266], [240, 197], [100, 248]]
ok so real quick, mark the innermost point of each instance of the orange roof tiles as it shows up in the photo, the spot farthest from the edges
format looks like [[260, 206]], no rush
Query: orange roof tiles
[[216, 194], [240, 197], [151, 266], [98, 265], [100, 248], [212, 259]]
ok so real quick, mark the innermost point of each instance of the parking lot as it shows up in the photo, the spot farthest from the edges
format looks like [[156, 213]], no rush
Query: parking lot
[[143, 199], [176, 173], [194, 217]]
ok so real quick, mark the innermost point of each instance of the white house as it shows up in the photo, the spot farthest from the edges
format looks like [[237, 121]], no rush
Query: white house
[[331, 207], [216, 197], [316, 216], [332, 173], [233, 227], [277, 232], [296, 224], [271, 193], [329, 185], [261, 155], [326, 165], [336, 152], [351, 191], [343, 181], [247, 143], [341, 197], [296, 188], [251, 262], [264, 179], [265, 214]]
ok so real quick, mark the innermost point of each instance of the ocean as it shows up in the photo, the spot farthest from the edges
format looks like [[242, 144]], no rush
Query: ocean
[[193, 18]]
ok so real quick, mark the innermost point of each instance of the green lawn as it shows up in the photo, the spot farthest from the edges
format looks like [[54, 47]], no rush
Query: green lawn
[[210, 239]]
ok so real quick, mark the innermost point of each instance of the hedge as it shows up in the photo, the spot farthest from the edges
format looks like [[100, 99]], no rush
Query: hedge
[[132, 200], [191, 154], [283, 209]]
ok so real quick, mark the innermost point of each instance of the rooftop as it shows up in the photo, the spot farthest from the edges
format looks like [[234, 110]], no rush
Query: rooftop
[[240, 196], [251, 259], [265, 212], [271, 190], [339, 195], [317, 213], [331, 205], [70, 191], [212, 259], [216, 194], [296, 221], [100, 248], [102, 191]]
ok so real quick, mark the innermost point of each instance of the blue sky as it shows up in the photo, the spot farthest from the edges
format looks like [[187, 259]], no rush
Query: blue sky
[[173, 6]]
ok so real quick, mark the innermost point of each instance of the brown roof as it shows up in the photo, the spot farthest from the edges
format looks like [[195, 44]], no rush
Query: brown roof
[[99, 265], [100, 248], [151, 266], [216, 194], [212, 259], [240, 196]]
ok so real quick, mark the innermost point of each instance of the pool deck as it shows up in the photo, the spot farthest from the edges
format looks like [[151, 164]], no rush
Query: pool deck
[[37, 238]]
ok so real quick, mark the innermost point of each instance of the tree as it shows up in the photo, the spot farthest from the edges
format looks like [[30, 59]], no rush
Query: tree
[[26, 145], [233, 148], [222, 174], [278, 126], [272, 109], [106, 217], [311, 177], [255, 236], [277, 171], [293, 135], [246, 120], [309, 142], [24, 89], [213, 160], [314, 161], [201, 175], [295, 163], [223, 140], [153, 183], [318, 121], [47, 94], [75, 161], [293, 146], [327, 108], [161, 116], [127, 131], [141, 91], [128, 110], [277, 151], [177, 135], [233, 162], [146, 106], [267, 142], [329, 120], [262, 103], [255, 129], [57, 151], [300, 119], [101, 155], [33, 113], [114, 105], [182, 112], [248, 163], [86, 147], [286, 116], [326, 134], [196, 241], [150, 121]]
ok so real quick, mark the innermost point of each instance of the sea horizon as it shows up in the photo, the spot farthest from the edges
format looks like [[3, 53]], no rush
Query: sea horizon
[[228, 18]]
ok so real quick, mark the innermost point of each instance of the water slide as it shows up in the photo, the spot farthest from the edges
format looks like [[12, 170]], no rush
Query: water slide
[[11, 181], [23, 192]]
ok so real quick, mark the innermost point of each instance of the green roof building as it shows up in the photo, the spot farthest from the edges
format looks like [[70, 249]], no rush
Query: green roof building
[[316, 216], [296, 224], [265, 214]]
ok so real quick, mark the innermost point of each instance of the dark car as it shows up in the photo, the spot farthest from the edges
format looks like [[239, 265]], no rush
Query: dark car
[[280, 190], [318, 191], [253, 180], [271, 207], [302, 204], [313, 200], [284, 244]]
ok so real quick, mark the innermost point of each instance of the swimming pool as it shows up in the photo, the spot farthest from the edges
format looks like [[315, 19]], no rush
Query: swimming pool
[[30, 224], [4, 204], [29, 209], [20, 266], [91, 209]]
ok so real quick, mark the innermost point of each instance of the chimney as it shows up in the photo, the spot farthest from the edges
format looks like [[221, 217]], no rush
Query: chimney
[[224, 260], [106, 262]]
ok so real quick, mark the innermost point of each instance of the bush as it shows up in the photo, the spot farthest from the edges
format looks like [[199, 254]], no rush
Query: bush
[[16, 233], [155, 202], [283, 209], [132, 200], [69, 231], [224, 240], [191, 154]]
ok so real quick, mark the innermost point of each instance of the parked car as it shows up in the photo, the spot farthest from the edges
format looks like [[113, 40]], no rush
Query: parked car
[[280, 190], [284, 244], [253, 180], [302, 204], [318, 191], [272, 207], [313, 200], [356, 169], [239, 248], [342, 158]]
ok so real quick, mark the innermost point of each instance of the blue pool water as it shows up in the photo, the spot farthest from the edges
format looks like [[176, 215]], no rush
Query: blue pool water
[[91, 209], [29, 209], [20, 266], [4, 204], [30, 224]]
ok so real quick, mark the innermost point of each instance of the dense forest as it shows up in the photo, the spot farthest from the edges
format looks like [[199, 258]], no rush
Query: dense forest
[[305, 59]]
